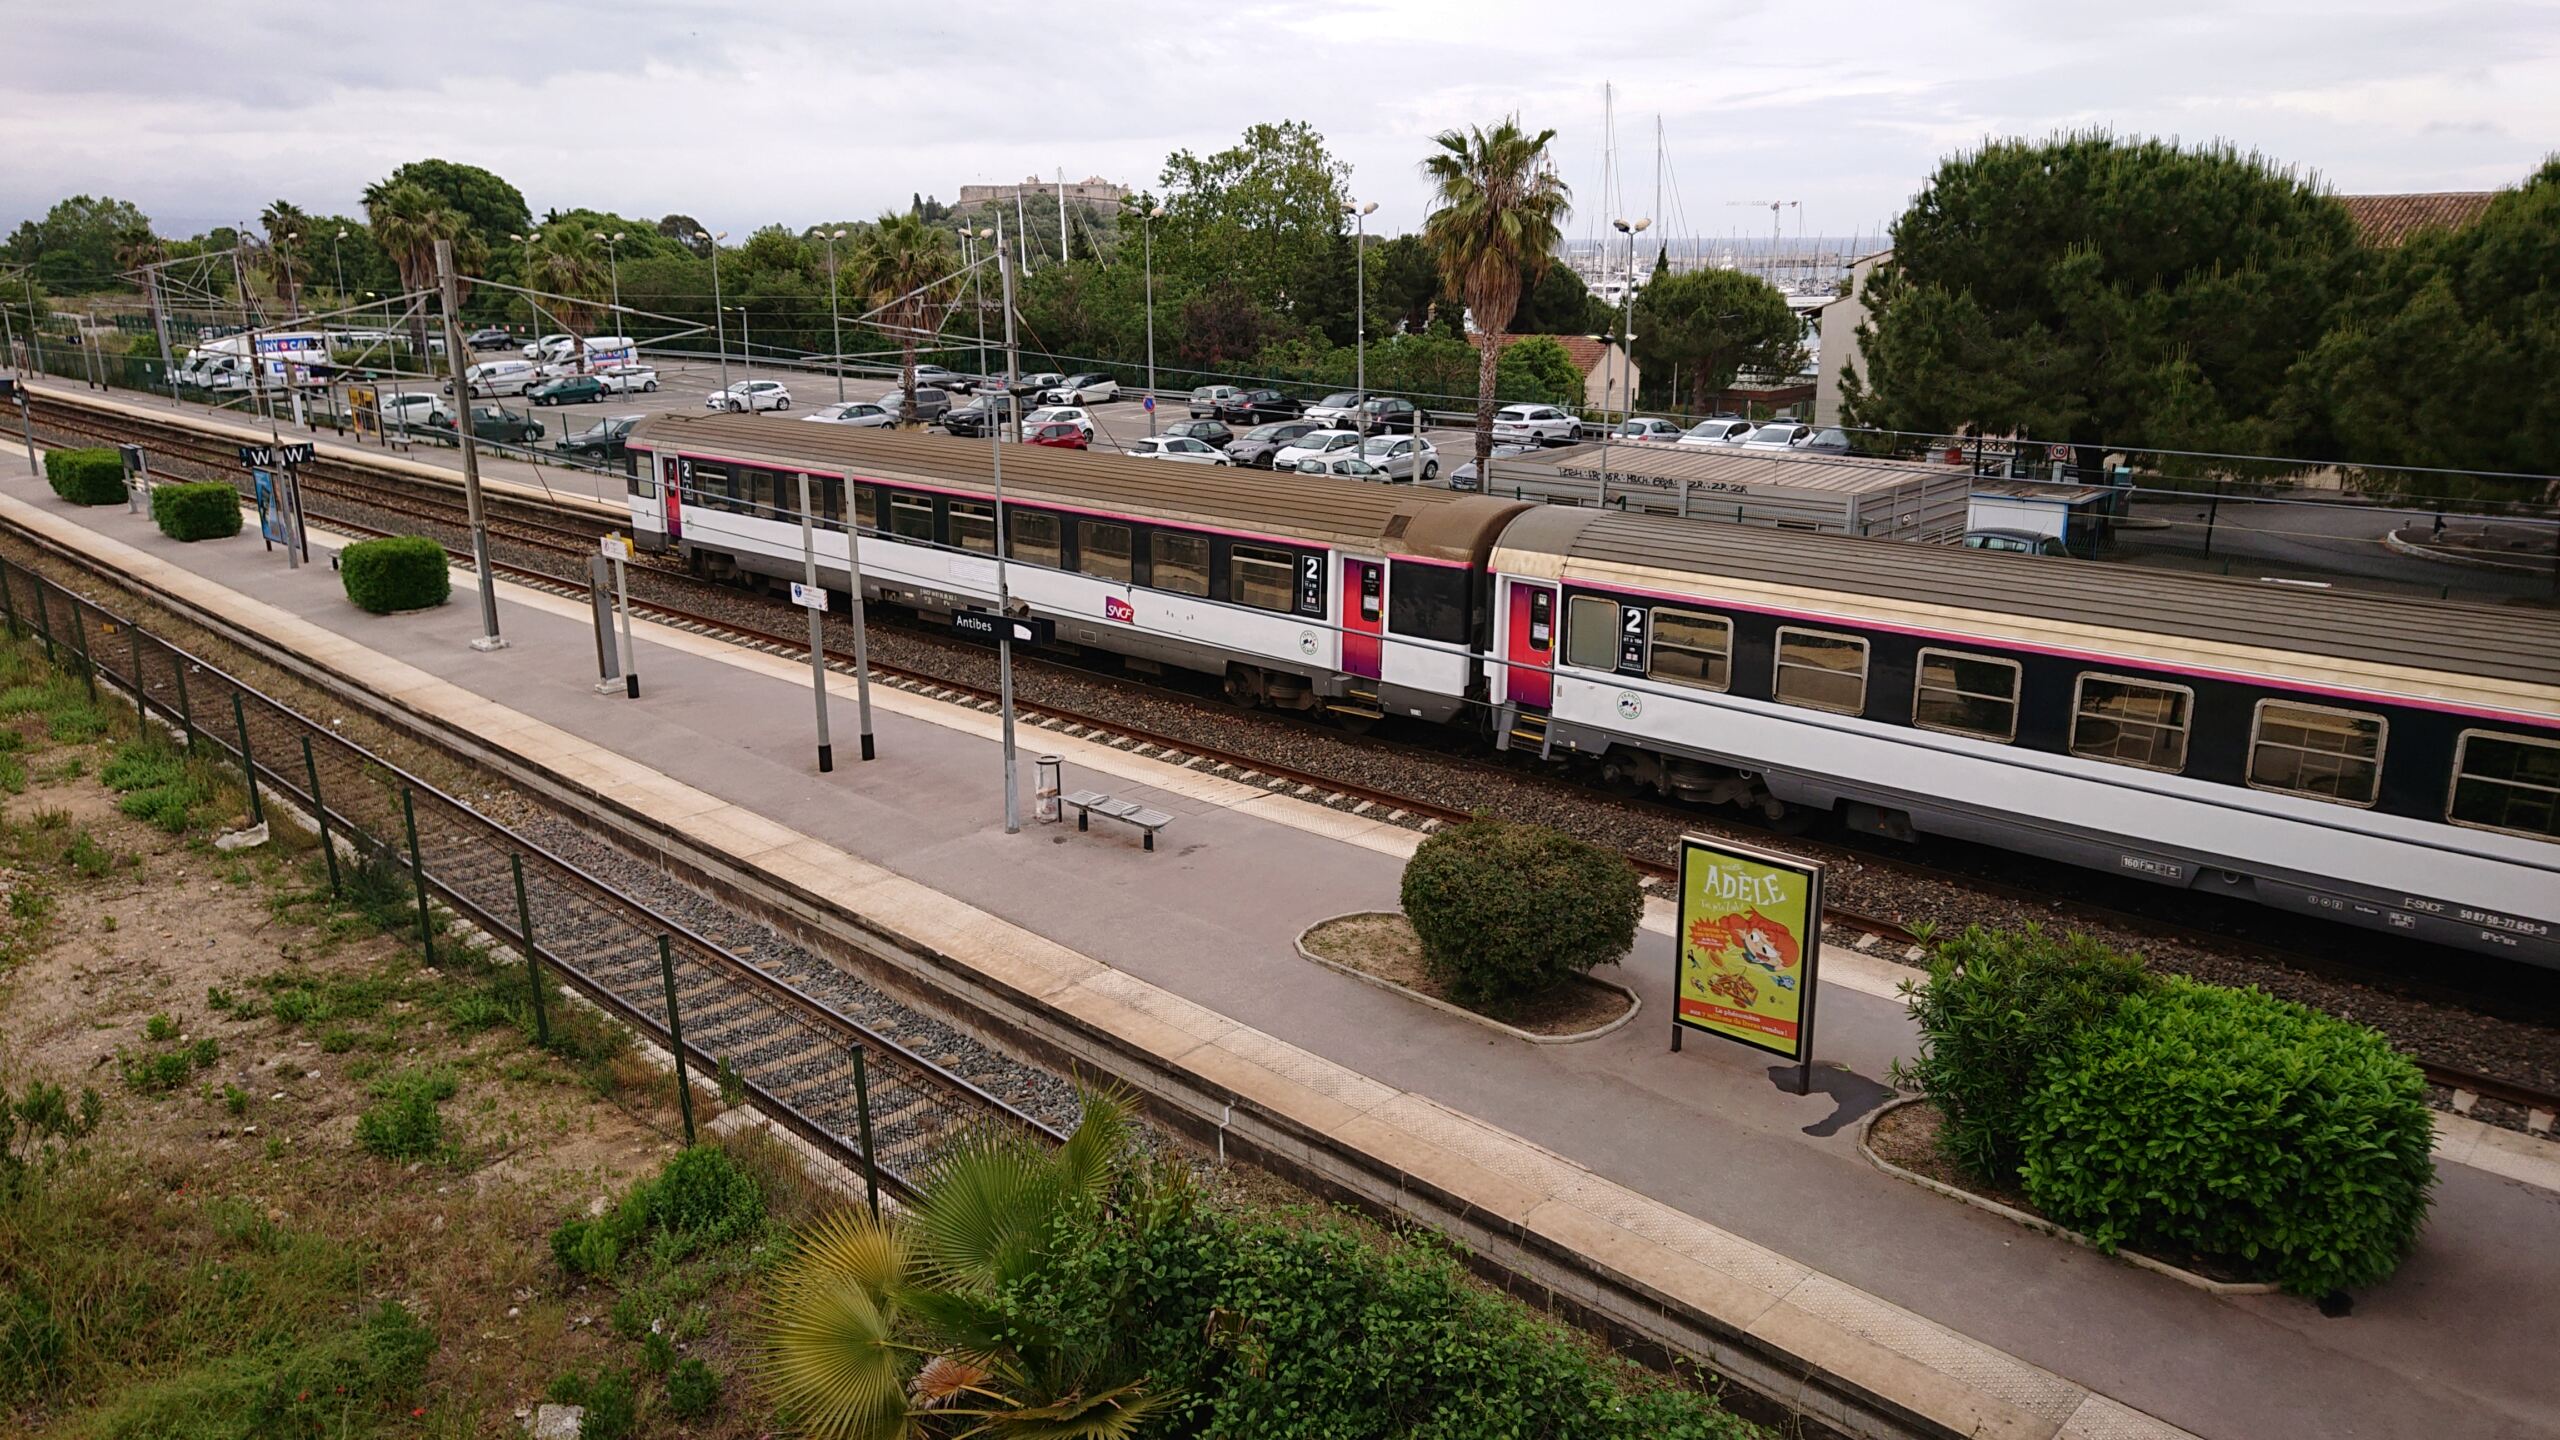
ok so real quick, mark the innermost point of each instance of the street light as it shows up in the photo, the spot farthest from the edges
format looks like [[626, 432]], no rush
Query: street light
[[338, 265], [1626, 362], [1147, 227], [613, 263], [1360, 307], [292, 292], [720, 333], [746, 345], [835, 327]]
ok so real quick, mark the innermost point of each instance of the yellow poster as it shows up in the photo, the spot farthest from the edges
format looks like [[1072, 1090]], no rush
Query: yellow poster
[[1750, 933], [361, 399]]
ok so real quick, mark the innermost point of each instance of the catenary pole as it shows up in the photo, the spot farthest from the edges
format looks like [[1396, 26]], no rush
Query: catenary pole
[[861, 627], [1147, 228], [1004, 544], [450, 286], [817, 624]]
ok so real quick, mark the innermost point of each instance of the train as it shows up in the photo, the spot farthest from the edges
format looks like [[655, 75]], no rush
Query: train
[[2386, 762]]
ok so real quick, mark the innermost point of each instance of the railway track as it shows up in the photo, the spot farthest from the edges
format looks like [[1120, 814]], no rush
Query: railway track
[[572, 544]]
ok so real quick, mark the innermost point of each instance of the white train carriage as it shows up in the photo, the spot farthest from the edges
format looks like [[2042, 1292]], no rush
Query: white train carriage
[[1302, 592], [2382, 761]]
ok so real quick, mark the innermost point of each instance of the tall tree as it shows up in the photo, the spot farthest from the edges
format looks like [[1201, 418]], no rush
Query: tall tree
[[2096, 291], [904, 265], [286, 256], [1708, 325], [491, 208], [1265, 213], [1557, 302], [407, 223], [565, 262], [687, 232], [1501, 210], [73, 248]]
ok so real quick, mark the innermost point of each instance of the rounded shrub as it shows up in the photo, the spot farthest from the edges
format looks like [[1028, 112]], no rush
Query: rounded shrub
[[86, 477], [397, 572], [1505, 910], [209, 511], [1998, 1005], [2235, 1125]]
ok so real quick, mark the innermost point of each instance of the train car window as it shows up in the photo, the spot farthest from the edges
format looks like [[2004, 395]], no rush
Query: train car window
[[2131, 722], [714, 485], [911, 517], [973, 526], [1428, 602], [1102, 550], [1691, 649], [1262, 577], [2506, 782], [2316, 751], [1591, 633], [1967, 695], [1181, 562], [1034, 537], [641, 480], [828, 491], [755, 487], [866, 508], [1821, 671]]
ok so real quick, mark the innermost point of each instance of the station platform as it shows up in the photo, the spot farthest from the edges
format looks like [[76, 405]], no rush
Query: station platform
[[1701, 1169]]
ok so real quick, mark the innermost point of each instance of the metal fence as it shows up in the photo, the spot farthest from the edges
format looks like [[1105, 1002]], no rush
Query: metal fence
[[821, 1074]]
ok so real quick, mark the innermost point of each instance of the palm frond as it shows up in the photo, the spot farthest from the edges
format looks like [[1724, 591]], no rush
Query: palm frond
[[832, 1354], [985, 1207]]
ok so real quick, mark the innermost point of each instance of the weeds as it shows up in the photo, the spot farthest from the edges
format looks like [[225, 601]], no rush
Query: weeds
[[405, 1124]]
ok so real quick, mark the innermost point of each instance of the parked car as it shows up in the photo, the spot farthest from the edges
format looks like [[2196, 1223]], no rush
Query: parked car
[[1206, 401], [604, 440], [567, 390], [1178, 447], [931, 404], [1086, 389], [497, 377], [1334, 408], [1829, 440], [1055, 414], [1465, 477], [629, 379], [1532, 425], [1063, 434], [551, 347], [2014, 542], [1207, 432], [1645, 430], [1039, 383], [1718, 430], [489, 339], [1397, 455], [413, 408], [749, 395], [1344, 466], [1779, 435], [862, 413], [1259, 444], [941, 378], [1313, 443], [1386, 412], [494, 422], [972, 418], [1257, 407]]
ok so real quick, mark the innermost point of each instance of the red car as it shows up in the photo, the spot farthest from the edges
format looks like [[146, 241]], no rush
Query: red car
[[1064, 434]]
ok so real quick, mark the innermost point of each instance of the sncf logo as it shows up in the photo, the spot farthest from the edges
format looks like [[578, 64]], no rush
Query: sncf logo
[[1115, 608]]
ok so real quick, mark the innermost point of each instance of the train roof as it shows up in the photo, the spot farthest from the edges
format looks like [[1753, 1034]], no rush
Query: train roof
[[2153, 612], [1325, 510]]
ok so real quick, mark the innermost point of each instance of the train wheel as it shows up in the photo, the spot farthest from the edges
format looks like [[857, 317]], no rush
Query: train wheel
[[1243, 688]]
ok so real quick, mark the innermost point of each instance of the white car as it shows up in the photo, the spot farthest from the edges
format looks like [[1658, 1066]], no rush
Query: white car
[[1059, 415], [1083, 390], [1313, 444], [1344, 466], [1206, 400], [627, 379], [1779, 435], [1334, 408], [1398, 454], [749, 395], [1532, 425], [861, 413], [413, 408], [1719, 430], [552, 347], [1645, 431], [1178, 447]]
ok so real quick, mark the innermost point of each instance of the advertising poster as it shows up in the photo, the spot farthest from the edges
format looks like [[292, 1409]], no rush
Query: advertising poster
[[1747, 947], [271, 522]]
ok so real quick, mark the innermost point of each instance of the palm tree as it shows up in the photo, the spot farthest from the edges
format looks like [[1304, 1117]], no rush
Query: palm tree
[[890, 1330], [904, 265], [407, 222], [563, 262], [1500, 216], [285, 225]]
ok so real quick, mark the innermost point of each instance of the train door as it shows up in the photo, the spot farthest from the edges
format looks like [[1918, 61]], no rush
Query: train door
[[1364, 616], [1529, 645], [670, 472]]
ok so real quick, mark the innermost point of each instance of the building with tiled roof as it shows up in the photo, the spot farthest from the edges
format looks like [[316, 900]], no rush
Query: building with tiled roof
[[2384, 221], [1601, 389]]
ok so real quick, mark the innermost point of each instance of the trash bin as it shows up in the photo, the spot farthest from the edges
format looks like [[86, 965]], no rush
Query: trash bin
[[1046, 787]]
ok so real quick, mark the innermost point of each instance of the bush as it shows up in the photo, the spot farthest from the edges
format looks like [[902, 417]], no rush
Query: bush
[[2237, 1125], [210, 511], [700, 1200], [1998, 1005], [406, 1125], [1506, 911], [397, 572], [86, 477], [692, 1389]]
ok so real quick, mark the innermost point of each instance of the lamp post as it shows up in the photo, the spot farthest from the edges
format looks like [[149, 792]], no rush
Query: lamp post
[[338, 264], [1626, 361], [1147, 228], [1360, 308], [835, 327], [720, 333], [613, 267], [1004, 546], [292, 292], [746, 344], [978, 282]]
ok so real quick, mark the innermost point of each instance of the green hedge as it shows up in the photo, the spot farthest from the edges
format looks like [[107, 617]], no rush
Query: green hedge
[[397, 572], [2235, 1124], [1998, 1005], [1506, 911], [208, 511], [86, 477]]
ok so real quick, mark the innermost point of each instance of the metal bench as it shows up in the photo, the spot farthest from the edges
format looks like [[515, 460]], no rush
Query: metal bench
[[1089, 803]]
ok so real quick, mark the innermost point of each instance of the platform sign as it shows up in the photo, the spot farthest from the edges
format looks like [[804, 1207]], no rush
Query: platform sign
[[1748, 947], [1020, 629], [271, 456], [813, 597], [614, 545]]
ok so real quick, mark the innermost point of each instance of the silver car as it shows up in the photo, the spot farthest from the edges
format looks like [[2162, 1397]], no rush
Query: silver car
[[1178, 447], [861, 413], [931, 404]]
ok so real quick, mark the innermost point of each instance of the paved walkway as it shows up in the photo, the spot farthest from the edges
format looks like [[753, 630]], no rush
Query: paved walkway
[[2456, 1345]]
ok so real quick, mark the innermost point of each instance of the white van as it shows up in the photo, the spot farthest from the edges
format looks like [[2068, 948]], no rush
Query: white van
[[602, 352], [499, 377]]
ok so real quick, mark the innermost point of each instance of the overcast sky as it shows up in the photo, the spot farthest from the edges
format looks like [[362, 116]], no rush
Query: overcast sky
[[745, 114]]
